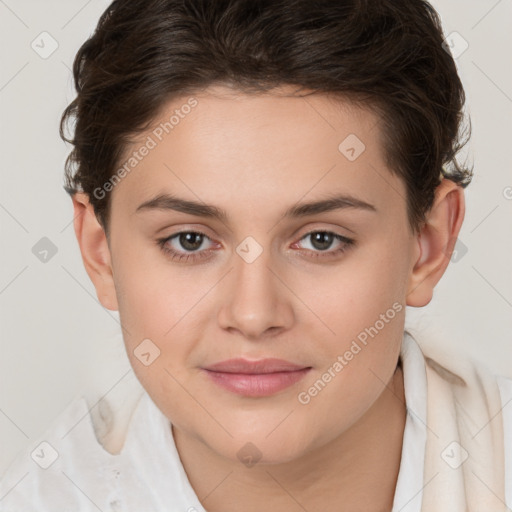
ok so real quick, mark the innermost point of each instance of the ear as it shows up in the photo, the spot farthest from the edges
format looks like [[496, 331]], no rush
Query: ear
[[95, 250], [436, 241]]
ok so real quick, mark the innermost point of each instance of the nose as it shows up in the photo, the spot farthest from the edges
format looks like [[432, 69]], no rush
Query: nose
[[256, 303]]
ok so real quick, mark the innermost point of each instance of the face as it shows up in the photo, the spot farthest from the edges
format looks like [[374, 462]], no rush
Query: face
[[249, 271]]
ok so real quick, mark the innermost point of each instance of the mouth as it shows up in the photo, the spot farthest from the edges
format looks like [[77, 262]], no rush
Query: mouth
[[260, 378]]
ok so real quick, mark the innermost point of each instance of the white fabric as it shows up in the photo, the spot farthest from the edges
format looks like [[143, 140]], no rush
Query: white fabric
[[464, 456], [147, 475], [409, 487]]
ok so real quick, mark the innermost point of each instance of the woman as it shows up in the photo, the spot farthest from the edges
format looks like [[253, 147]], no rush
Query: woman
[[260, 189]]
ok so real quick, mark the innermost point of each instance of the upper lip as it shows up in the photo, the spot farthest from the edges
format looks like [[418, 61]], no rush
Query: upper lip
[[260, 366]]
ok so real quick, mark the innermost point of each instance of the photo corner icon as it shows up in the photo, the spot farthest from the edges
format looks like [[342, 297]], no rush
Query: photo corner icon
[[351, 147], [249, 249], [455, 44], [44, 45], [44, 455], [249, 455], [146, 352], [459, 251], [454, 455], [44, 250]]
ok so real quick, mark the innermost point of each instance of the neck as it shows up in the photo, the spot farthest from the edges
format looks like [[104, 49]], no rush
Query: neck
[[358, 469]]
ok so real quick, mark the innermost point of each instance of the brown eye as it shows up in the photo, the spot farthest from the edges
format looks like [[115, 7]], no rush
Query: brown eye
[[185, 246], [322, 241], [190, 241]]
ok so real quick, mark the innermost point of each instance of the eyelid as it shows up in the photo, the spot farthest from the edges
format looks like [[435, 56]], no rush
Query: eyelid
[[175, 255], [184, 228], [323, 228], [328, 231], [195, 231], [346, 242]]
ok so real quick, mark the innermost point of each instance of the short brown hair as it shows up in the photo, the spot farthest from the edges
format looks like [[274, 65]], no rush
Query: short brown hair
[[384, 54]]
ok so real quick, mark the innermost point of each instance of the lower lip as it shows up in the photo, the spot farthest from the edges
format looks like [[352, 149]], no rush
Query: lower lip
[[256, 385]]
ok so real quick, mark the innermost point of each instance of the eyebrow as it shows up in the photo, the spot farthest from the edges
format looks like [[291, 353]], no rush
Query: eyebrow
[[337, 202]]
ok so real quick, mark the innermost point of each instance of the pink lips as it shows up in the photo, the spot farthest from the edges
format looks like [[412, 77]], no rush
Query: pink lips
[[255, 378]]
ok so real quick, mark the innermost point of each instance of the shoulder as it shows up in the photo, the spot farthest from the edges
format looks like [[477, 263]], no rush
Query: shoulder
[[467, 398], [53, 472], [78, 464]]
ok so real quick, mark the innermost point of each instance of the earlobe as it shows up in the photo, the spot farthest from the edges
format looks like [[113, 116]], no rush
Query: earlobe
[[436, 242], [95, 250]]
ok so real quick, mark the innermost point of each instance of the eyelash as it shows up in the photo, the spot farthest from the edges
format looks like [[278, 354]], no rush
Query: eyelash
[[177, 256]]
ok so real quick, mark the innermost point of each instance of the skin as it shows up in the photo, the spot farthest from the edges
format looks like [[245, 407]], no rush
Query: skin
[[255, 156]]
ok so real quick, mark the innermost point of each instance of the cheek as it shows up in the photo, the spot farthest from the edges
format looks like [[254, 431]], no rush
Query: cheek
[[356, 293], [168, 306], [358, 361], [364, 309], [152, 295]]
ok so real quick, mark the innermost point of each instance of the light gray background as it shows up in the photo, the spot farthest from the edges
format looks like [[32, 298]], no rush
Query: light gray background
[[57, 341]]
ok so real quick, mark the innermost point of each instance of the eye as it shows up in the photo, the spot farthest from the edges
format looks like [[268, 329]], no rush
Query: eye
[[321, 241], [190, 245], [178, 245]]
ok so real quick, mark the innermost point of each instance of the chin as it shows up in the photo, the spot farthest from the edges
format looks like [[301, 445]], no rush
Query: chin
[[253, 448]]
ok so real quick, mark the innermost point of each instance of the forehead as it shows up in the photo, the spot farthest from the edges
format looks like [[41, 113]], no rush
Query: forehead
[[275, 147]]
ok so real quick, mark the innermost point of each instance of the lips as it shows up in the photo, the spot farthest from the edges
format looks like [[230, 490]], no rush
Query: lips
[[255, 378], [261, 366]]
